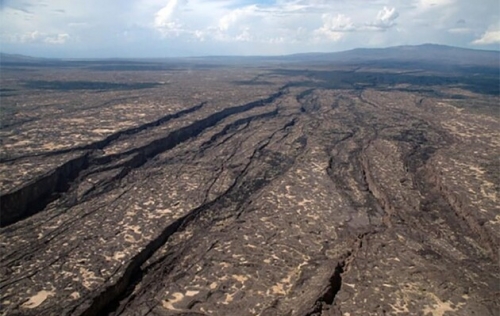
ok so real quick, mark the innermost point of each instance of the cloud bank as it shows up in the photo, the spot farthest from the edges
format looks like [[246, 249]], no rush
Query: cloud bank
[[158, 28]]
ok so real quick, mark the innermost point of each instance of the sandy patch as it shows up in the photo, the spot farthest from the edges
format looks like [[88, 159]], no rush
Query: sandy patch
[[240, 278], [440, 308], [37, 299], [53, 146], [88, 278], [102, 130], [192, 293], [169, 303]]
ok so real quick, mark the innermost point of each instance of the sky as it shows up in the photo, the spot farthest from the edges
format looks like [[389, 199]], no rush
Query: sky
[[170, 28]]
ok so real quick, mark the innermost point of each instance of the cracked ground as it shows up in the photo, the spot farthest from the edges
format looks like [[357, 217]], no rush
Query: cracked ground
[[248, 191]]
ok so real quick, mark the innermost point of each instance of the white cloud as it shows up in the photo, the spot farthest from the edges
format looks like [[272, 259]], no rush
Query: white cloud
[[164, 15], [237, 26], [387, 16], [385, 19], [164, 20], [232, 17], [433, 4], [339, 23], [489, 37], [57, 39], [334, 27], [28, 37], [35, 37], [244, 36]]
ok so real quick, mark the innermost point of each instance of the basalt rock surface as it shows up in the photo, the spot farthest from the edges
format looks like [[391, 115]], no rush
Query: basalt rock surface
[[248, 191]]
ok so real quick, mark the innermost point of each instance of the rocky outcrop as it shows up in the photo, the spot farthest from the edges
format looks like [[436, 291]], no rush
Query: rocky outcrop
[[34, 196]]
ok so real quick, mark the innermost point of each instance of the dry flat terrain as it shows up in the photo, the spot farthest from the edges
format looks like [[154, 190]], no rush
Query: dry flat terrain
[[306, 185]]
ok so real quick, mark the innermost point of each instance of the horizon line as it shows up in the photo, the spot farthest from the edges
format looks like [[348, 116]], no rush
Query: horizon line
[[247, 56]]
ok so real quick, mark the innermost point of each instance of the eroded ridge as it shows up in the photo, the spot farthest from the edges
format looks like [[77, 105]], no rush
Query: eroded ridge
[[274, 193]]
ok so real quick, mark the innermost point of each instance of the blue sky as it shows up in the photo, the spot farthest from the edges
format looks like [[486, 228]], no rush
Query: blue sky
[[168, 28]]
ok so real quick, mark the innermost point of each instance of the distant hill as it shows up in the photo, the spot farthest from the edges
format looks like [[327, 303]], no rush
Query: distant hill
[[9, 58], [424, 56], [412, 54]]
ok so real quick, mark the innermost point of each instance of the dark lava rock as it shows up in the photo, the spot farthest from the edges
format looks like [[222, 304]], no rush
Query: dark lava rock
[[209, 196]]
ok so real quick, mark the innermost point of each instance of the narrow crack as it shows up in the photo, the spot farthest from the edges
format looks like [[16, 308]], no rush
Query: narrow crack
[[34, 197]]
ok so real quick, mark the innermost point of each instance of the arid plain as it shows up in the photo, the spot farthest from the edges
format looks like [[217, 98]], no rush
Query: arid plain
[[302, 185]]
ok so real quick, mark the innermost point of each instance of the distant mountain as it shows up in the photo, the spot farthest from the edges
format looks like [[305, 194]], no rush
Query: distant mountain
[[11, 58], [429, 53]]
